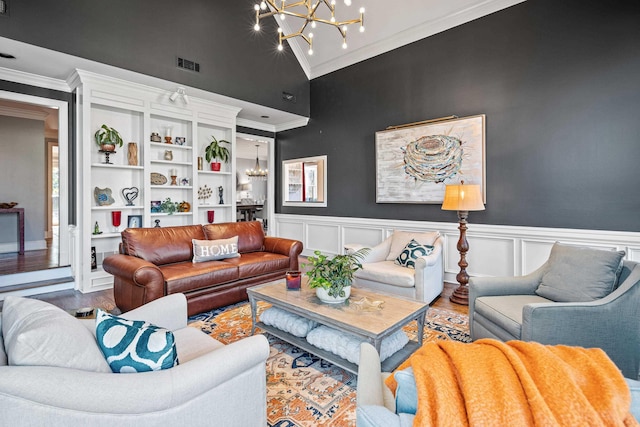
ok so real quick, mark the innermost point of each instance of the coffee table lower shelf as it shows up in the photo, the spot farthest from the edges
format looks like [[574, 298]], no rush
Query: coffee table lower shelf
[[388, 365]]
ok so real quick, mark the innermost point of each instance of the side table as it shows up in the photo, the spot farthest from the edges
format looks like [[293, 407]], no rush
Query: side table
[[20, 212]]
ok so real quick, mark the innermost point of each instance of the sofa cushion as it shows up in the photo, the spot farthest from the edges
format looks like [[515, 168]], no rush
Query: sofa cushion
[[379, 416], [406, 391], [412, 251], [258, 263], [387, 272], [399, 240], [634, 388], [163, 245], [506, 310], [134, 345], [212, 250], [37, 333], [192, 343], [187, 276], [579, 274], [250, 234]]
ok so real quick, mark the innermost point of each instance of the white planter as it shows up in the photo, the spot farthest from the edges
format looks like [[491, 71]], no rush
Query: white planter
[[323, 295]]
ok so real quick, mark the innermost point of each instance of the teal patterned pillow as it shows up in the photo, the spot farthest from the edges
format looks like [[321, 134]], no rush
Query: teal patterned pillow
[[411, 252], [134, 345]]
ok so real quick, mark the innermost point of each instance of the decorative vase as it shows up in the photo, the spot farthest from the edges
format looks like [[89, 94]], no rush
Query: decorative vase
[[324, 296], [215, 166], [132, 154]]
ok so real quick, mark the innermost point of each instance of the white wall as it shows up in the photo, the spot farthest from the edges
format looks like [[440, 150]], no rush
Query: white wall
[[22, 174]]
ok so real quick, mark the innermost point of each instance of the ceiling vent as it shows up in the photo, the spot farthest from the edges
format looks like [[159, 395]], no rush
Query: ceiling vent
[[187, 64], [4, 7]]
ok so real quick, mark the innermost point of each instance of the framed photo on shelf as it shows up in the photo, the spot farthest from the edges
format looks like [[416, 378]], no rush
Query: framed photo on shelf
[[134, 221], [155, 206], [94, 258]]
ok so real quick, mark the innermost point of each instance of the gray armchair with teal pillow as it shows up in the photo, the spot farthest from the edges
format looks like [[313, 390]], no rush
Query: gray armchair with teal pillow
[[580, 296]]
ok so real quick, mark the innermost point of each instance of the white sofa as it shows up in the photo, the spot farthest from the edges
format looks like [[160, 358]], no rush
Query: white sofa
[[380, 273], [214, 383]]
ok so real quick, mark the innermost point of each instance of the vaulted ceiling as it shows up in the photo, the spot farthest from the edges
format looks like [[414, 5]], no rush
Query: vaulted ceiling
[[388, 25]]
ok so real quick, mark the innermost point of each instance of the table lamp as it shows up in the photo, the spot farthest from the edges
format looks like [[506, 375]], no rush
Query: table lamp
[[462, 198]]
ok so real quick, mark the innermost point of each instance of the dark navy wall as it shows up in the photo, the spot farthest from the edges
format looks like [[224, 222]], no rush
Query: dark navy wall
[[147, 36], [559, 83]]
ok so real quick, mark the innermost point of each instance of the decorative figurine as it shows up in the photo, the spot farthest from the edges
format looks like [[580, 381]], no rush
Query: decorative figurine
[[157, 221], [155, 137], [130, 194], [96, 229], [220, 191]]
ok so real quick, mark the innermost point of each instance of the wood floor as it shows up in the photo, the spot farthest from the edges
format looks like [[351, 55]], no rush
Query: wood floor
[[44, 259], [72, 300]]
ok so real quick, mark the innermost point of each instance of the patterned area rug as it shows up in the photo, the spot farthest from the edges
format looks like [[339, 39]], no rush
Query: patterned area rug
[[302, 389]]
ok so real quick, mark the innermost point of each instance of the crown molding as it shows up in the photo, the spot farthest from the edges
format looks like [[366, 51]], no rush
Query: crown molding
[[22, 113], [413, 34], [33, 80], [255, 125], [297, 123]]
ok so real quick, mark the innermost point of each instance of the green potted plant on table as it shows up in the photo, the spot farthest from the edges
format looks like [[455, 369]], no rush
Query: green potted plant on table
[[107, 138], [332, 277], [215, 151]]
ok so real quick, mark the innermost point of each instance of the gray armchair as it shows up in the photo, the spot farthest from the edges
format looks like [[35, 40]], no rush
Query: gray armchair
[[509, 309]]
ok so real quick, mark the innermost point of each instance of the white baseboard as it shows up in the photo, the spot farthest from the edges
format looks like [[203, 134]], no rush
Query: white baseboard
[[31, 245], [494, 250]]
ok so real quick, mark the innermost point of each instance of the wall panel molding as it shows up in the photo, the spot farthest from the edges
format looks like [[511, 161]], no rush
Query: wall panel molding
[[495, 250]]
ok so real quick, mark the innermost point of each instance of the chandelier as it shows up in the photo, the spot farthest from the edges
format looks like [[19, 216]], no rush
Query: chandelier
[[257, 174], [268, 8]]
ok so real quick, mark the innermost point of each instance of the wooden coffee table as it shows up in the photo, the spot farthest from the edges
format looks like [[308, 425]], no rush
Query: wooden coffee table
[[370, 324]]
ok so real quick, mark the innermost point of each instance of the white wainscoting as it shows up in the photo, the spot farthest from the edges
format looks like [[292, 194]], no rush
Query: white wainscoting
[[495, 250]]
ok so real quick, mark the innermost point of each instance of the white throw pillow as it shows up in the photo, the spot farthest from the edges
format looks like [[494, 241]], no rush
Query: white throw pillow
[[37, 333], [399, 240], [212, 250]]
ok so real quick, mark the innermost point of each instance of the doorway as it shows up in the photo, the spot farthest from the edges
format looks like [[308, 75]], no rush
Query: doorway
[[250, 148], [44, 199]]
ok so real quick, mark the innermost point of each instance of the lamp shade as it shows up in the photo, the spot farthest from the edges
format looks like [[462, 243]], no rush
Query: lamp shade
[[463, 197]]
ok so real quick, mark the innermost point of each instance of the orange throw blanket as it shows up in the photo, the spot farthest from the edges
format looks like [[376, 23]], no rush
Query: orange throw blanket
[[490, 383]]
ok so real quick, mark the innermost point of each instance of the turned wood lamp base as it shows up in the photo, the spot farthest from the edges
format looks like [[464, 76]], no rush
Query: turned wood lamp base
[[462, 198], [461, 293]]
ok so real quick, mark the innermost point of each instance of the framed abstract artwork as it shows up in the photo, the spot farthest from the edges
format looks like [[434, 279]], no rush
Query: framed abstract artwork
[[414, 163]]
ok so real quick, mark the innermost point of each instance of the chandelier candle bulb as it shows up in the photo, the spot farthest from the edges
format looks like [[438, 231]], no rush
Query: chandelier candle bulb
[[311, 16]]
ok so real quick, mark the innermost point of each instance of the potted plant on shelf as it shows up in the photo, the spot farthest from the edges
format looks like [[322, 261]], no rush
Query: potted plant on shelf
[[169, 207], [332, 277], [215, 151], [107, 138]]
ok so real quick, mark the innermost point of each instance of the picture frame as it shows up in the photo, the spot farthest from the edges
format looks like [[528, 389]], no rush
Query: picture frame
[[155, 206], [134, 221], [94, 258], [181, 140], [415, 163]]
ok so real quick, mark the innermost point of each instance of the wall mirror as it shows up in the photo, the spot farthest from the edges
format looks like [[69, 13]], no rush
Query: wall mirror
[[304, 182]]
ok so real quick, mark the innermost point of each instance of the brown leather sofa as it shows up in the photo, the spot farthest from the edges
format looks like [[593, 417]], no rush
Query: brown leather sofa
[[158, 261]]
